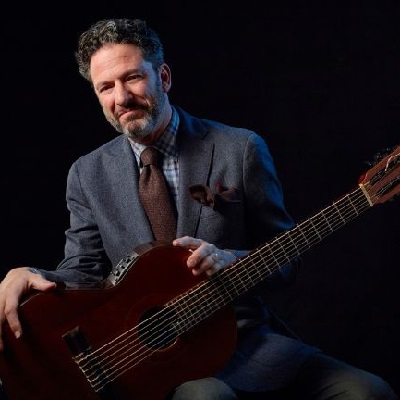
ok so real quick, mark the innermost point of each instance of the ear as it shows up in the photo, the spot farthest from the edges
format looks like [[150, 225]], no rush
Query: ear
[[165, 73]]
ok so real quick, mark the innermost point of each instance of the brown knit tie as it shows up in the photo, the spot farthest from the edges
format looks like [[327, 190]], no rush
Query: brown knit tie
[[155, 198]]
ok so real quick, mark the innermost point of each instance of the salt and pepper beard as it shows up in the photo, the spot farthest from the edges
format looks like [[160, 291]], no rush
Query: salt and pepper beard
[[147, 125]]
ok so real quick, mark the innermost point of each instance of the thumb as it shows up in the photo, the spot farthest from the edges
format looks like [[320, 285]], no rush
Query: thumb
[[38, 282]]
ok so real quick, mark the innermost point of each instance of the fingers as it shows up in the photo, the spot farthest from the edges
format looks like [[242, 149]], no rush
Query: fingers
[[17, 282], [206, 257], [188, 242], [11, 315]]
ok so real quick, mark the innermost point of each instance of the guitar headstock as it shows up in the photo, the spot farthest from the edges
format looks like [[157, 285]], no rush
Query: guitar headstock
[[382, 181]]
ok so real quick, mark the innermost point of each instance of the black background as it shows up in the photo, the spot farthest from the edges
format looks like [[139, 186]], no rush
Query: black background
[[319, 82]]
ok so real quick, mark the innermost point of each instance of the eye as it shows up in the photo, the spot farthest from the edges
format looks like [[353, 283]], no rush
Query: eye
[[105, 88], [134, 77]]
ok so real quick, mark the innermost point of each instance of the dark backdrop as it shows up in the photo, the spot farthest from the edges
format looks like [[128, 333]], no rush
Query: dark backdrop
[[320, 83]]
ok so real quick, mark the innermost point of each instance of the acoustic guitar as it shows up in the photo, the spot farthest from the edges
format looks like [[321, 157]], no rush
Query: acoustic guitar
[[132, 336]]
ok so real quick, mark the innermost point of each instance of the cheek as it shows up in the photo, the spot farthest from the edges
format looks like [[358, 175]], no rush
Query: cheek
[[108, 112], [107, 104]]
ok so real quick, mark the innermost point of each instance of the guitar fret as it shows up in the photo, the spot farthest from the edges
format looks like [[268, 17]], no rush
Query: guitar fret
[[311, 223], [278, 242], [265, 263], [301, 238], [351, 203], [327, 221], [297, 252], [339, 213]]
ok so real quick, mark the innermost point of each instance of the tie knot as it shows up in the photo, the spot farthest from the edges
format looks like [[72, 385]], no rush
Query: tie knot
[[149, 156]]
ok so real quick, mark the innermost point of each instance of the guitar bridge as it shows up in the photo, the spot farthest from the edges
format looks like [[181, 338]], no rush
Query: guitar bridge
[[83, 357]]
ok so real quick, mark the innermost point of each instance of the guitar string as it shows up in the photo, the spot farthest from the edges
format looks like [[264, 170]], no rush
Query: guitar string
[[122, 351]]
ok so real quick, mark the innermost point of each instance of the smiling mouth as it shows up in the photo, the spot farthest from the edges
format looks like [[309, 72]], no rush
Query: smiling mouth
[[132, 113]]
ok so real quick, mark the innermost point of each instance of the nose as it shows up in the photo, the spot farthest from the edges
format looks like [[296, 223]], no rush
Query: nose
[[122, 94]]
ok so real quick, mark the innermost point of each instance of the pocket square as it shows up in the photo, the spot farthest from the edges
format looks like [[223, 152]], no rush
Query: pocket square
[[204, 195]]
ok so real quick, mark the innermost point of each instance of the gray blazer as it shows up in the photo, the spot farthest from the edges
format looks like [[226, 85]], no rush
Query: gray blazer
[[107, 221]]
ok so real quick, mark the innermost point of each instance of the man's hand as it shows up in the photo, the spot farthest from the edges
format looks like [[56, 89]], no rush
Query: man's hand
[[206, 257], [17, 282]]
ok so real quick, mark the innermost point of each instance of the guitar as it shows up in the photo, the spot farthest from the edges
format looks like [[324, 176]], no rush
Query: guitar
[[111, 339]]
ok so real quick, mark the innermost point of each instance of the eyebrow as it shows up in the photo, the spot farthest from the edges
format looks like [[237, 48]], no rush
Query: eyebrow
[[141, 71]]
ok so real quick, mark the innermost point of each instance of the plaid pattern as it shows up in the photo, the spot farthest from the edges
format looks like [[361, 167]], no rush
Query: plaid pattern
[[166, 145]]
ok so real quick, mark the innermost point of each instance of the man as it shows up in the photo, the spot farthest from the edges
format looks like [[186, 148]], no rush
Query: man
[[228, 201]]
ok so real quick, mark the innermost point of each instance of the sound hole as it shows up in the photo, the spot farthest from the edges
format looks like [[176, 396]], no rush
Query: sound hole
[[157, 328]]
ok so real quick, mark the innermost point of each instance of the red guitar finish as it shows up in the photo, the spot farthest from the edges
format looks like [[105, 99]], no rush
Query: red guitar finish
[[151, 325], [40, 364]]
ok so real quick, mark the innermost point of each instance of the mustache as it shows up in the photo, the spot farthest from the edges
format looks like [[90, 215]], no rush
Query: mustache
[[131, 106]]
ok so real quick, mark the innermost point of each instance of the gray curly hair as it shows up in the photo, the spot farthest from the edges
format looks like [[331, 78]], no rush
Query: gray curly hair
[[118, 31]]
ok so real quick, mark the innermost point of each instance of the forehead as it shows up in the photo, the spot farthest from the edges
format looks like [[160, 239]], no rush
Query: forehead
[[112, 60]]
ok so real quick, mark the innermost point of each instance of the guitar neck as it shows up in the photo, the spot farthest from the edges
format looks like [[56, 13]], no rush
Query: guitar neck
[[218, 291]]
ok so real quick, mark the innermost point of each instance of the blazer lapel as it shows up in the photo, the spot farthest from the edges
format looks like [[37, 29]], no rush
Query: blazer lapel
[[126, 173], [194, 165]]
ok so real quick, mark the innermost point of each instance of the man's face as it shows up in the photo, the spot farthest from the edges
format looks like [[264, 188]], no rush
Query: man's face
[[133, 96]]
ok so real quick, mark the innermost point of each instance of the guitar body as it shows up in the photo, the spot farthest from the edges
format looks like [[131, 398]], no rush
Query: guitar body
[[40, 365]]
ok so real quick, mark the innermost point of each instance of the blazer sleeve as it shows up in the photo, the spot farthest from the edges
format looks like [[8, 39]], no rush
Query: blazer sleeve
[[84, 255]]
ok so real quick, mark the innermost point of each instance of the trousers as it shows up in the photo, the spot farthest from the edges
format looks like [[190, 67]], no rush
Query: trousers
[[321, 377]]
